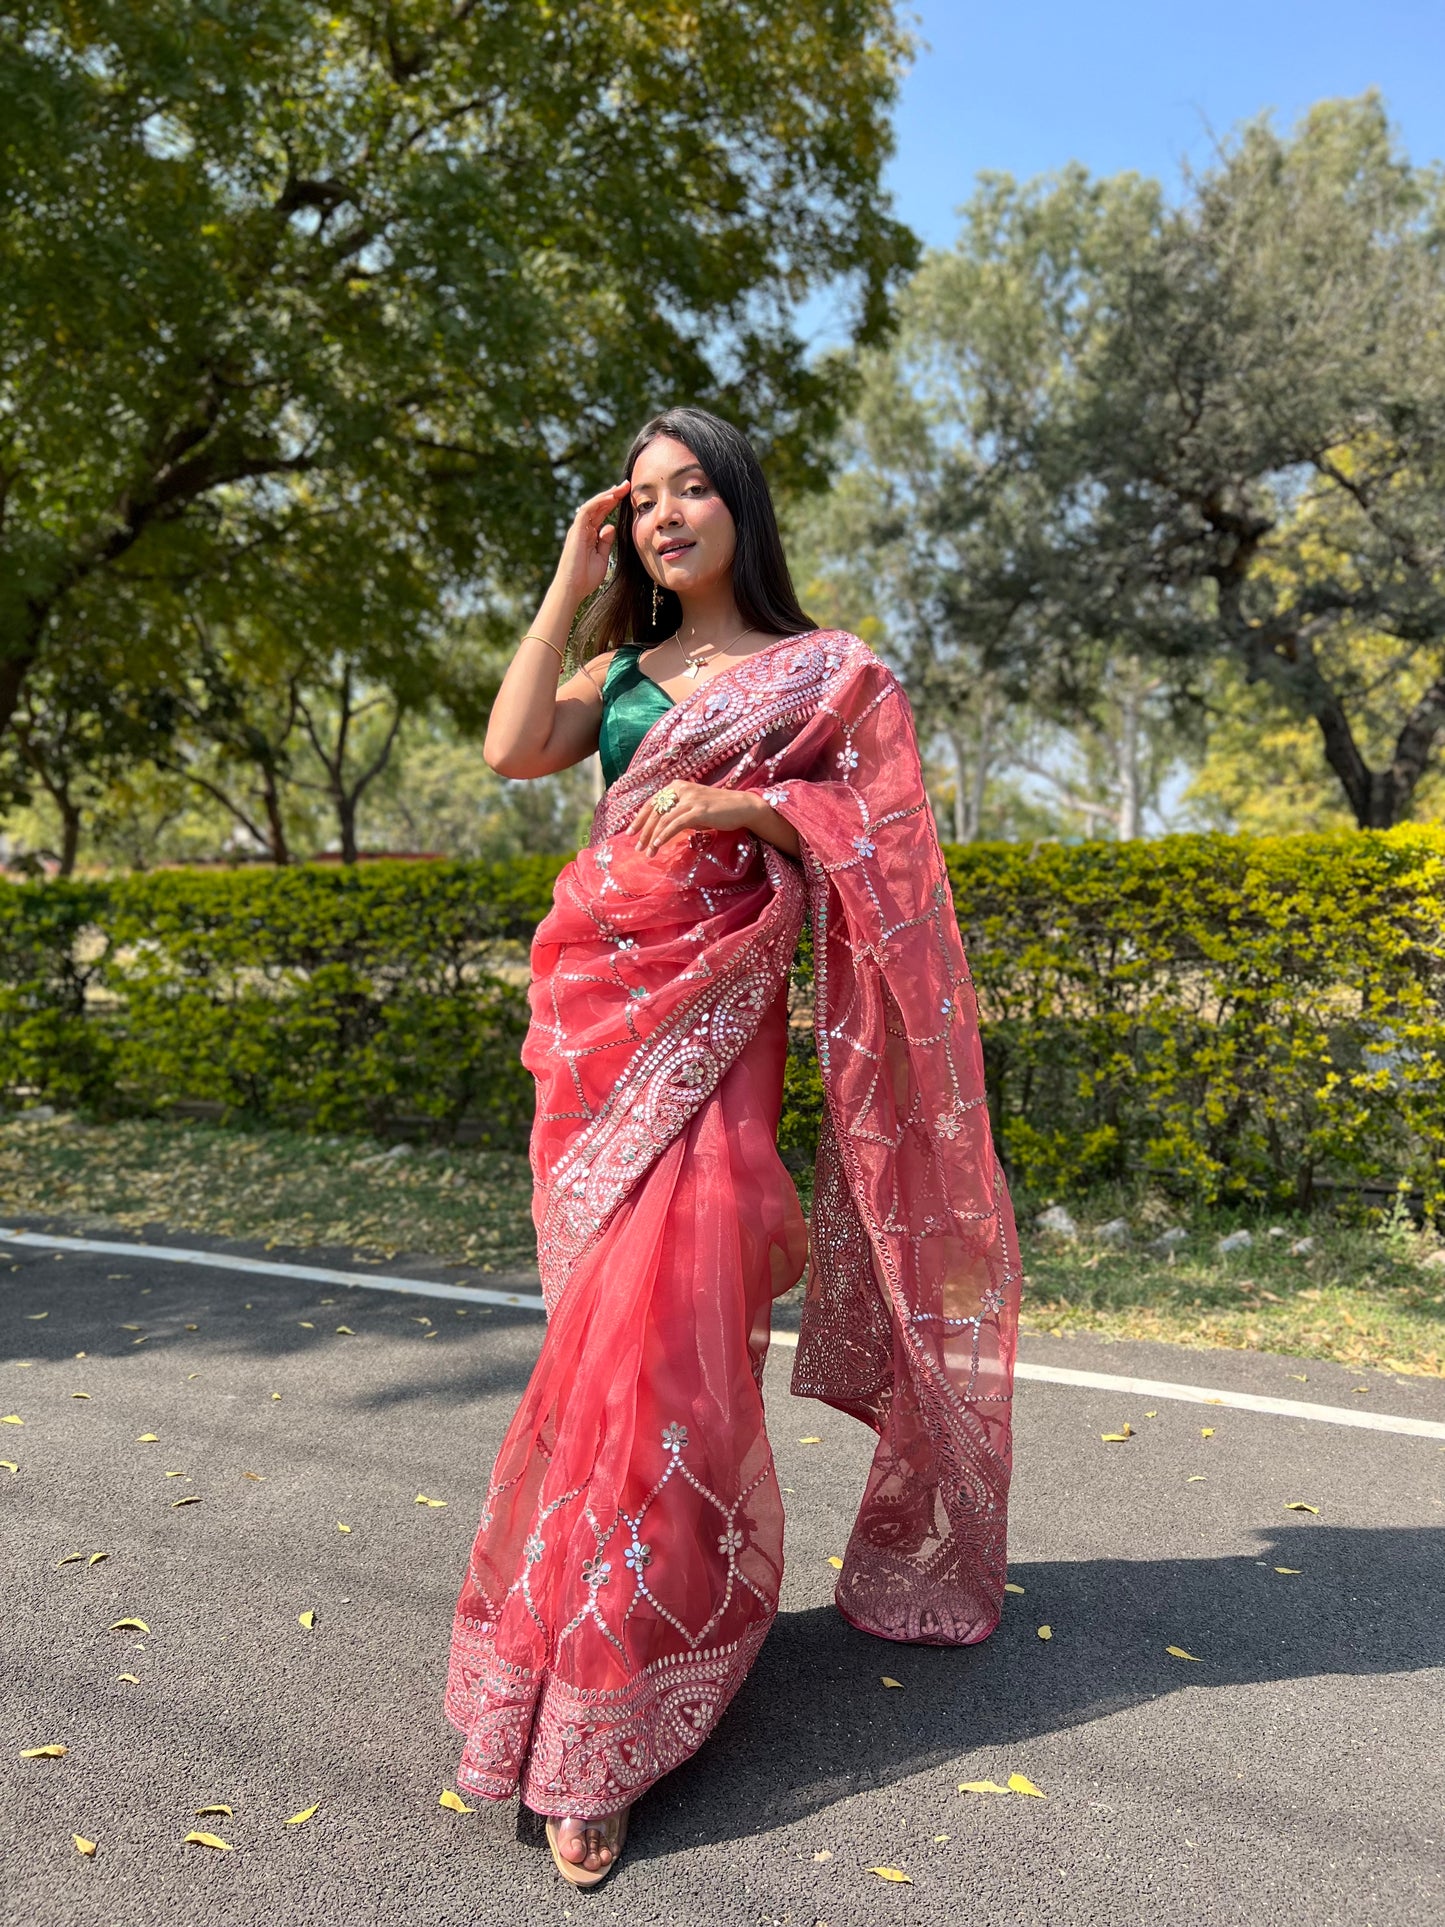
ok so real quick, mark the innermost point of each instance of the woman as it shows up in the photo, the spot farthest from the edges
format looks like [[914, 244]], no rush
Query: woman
[[760, 770]]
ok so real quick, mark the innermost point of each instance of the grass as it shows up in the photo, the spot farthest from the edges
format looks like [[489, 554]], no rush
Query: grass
[[1364, 1294], [273, 1187]]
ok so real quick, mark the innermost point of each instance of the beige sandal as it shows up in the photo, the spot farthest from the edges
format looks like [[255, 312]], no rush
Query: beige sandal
[[614, 1834]]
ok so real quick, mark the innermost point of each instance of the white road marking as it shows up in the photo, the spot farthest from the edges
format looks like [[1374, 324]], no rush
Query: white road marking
[[529, 1301], [316, 1274]]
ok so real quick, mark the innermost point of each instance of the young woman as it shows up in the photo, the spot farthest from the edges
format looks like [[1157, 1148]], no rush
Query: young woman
[[759, 771]]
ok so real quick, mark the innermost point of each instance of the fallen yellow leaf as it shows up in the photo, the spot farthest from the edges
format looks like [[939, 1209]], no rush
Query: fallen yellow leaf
[[129, 1678], [54, 1751], [1115, 1438], [12, 1418], [208, 1840], [1046, 1632], [981, 1786], [810, 1440], [87, 1847], [1195, 1478], [201, 1812], [297, 1819], [306, 1619], [80, 1394], [1178, 1652], [939, 1838], [347, 1329], [148, 1438], [1298, 1505], [1206, 1431], [275, 1395], [128, 1626], [37, 1314], [191, 1498], [67, 1559], [175, 1475], [453, 1802], [1020, 1783], [130, 1328], [342, 1528], [1010, 1587], [890, 1682], [835, 1562], [1151, 1415], [9, 1465], [1293, 1570], [893, 1873], [260, 1477], [422, 1499], [306, 1325]]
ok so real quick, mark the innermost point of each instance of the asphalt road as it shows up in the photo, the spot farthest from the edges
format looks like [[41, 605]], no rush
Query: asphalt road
[[1292, 1772]]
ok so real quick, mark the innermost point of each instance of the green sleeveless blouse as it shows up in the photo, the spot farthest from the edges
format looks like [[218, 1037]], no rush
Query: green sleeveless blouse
[[631, 704]]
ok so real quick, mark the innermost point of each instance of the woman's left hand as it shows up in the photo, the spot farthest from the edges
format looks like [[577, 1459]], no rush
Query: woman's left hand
[[698, 807]]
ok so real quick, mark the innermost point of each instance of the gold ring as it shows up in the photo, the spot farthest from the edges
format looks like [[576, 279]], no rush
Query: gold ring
[[664, 800]]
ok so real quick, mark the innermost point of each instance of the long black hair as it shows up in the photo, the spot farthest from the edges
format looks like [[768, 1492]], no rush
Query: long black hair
[[621, 613]]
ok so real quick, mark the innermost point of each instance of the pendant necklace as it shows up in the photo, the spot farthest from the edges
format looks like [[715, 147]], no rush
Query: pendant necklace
[[695, 663]]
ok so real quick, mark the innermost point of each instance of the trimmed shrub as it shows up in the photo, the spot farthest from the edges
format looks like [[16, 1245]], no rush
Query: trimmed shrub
[[1241, 1018]]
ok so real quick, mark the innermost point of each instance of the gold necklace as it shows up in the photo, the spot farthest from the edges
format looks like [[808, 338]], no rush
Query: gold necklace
[[695, 663]]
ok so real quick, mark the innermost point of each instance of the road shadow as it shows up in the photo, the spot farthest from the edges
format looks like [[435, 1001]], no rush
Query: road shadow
[[99, 1304], [813, 1725]]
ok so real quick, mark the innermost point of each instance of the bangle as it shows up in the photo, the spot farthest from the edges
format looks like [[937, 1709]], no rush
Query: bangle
[[532, 636]]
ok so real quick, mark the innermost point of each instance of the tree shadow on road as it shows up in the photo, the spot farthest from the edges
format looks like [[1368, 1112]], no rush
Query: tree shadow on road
[[813, 1725]]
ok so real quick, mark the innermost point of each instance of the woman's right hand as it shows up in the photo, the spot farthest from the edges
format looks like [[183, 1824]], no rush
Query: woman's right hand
[[588, 548]]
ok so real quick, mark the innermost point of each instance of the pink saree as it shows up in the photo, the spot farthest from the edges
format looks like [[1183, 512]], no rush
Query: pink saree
[[627, 1564]]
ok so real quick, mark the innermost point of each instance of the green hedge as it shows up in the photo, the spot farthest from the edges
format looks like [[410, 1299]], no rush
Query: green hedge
[[1241, 1017]]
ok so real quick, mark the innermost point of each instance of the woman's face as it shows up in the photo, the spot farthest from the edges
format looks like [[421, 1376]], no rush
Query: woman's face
[[683, 529]]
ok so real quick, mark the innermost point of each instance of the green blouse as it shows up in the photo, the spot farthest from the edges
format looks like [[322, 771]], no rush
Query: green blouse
[[631, 704]]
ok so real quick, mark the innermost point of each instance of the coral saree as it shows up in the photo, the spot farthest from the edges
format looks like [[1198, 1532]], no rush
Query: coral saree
[[627, 1564]]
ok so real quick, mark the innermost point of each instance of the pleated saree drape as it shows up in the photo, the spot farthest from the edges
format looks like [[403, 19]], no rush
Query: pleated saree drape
[[627, 1563]]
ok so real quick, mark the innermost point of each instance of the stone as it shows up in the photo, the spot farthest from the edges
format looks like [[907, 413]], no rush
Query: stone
[[1171, 1236], [1302, 1247], [1115, 1232], [1235, 1241], [1057, 1221]]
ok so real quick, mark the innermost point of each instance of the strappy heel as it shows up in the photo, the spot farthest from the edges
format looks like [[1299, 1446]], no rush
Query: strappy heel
[[614, 1835]]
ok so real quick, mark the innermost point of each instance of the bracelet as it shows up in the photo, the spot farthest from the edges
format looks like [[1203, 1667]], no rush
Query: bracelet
[[532, 636]]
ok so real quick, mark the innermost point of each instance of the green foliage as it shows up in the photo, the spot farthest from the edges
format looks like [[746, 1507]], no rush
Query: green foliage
[[1206, 430], [316, 320], [1236, 1018]]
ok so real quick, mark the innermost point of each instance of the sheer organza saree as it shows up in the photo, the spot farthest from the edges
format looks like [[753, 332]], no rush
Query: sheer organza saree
[[627, 1564]]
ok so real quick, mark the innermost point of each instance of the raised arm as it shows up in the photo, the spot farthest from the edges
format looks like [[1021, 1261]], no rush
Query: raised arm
[[537, 726]]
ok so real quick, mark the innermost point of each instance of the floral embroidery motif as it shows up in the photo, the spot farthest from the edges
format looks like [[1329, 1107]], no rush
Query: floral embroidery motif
[[674, 1437], [847, 757], [596, 1572], [534, 1549], [638, 1556], [730, 1541], [864, 846]]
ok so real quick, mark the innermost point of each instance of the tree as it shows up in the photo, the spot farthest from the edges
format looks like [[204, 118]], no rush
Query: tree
[[405, 274], [1218, 429]]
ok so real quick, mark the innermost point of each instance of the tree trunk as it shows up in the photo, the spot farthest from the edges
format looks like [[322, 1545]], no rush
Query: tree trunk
[[279, 849], [346, 822], [69, 833], [1130, 824]]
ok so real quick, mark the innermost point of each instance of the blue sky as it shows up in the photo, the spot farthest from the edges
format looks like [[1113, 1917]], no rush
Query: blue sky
[[1138, 84]]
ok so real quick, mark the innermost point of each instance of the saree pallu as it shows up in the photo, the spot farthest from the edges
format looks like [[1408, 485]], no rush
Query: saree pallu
[[628, 1560]]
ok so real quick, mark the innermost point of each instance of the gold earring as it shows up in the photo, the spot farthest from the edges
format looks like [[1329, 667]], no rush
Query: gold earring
[[656, 603]]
